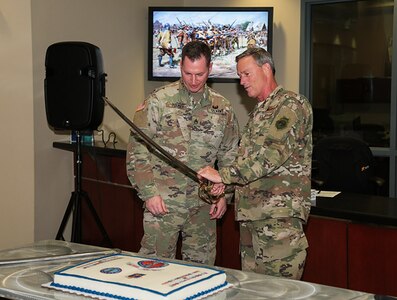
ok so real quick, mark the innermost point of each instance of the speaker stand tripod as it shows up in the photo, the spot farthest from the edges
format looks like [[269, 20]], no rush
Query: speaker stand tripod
[[75, 202]]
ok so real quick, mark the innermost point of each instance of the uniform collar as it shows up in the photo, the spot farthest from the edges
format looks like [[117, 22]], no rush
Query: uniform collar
[[268, 102], [205, 101]]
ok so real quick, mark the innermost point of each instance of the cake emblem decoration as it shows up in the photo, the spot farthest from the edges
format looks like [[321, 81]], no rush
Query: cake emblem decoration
[[152, 264], [136, 275], [111, 270]]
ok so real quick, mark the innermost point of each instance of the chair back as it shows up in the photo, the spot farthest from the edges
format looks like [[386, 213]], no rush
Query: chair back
[[343, 164]]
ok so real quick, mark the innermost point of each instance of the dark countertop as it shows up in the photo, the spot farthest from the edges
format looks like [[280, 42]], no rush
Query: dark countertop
[[358, 207], [111, 149], [355, 207]]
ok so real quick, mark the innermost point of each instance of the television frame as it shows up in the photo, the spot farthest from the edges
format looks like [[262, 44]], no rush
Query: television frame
[[242, 22]]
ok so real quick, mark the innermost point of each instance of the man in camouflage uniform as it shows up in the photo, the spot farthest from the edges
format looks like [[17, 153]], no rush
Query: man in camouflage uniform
[[197, 126], [272, 172]]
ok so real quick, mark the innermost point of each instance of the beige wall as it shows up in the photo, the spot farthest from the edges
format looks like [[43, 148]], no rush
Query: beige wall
[[37, 180], [16, 124], [111, 25]]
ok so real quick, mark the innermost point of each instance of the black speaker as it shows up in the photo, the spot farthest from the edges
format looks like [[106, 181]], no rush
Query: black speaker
[[74, 86]]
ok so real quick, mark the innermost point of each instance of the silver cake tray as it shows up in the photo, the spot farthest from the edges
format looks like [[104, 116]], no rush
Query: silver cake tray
[[24, 270]]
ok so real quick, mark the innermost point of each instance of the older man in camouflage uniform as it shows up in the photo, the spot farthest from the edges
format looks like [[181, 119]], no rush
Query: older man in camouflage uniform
[[197, 126], [272, 172]]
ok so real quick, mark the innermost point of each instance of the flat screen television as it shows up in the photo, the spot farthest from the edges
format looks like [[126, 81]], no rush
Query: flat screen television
[[227, 30]]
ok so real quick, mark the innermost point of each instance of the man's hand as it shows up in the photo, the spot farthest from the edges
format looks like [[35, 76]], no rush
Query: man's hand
[[209, 173], [217, 189], [218, 210], [156, 206]]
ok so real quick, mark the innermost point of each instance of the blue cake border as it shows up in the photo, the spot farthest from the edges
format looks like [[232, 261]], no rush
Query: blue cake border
[[109, 295]]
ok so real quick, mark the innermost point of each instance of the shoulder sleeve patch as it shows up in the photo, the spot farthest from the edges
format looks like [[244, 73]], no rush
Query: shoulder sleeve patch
[[283, 123], [141, 115], [140, 119]]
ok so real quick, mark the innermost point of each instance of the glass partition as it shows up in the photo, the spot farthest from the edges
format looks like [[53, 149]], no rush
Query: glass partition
[[351, 46], [347, 72]]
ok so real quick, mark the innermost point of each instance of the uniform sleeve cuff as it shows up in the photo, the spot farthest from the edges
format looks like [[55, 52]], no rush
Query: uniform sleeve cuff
[[149, 192], [225, 175]]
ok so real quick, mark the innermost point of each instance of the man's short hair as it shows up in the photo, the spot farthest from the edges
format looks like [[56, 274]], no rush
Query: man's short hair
[[195, 49], [260, 55]]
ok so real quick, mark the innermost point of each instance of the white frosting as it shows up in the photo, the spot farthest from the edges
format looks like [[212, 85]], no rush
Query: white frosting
[[133, 277]]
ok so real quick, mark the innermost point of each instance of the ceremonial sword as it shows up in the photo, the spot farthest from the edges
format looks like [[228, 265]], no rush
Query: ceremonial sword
[[205, 185]]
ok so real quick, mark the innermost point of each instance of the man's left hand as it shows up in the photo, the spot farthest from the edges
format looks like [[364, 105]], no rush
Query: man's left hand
[[218, 210]]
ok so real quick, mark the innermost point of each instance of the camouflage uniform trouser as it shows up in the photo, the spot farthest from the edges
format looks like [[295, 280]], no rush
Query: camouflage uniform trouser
[[275, 247], [198, 234]]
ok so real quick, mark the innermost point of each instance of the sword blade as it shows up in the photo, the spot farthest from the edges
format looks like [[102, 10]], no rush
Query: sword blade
[[172, 160], [205, 185]]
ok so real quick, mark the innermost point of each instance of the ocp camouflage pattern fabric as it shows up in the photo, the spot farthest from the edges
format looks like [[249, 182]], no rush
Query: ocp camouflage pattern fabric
[[197, 134], [198, 131], [272, 173], [273, 168]]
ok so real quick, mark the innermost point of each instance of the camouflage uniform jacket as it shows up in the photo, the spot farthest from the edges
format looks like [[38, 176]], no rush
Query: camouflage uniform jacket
[[273, 168], [197, 134]]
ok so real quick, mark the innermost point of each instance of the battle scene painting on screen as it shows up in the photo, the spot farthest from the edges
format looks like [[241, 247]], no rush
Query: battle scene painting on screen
[[228, 32]]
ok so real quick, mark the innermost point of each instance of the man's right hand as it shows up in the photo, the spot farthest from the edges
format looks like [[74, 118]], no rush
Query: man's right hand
[[209, 173], [218, 189], [156, 206]]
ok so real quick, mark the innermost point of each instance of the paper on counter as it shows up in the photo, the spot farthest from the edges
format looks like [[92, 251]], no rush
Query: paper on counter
[[328, 194]]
